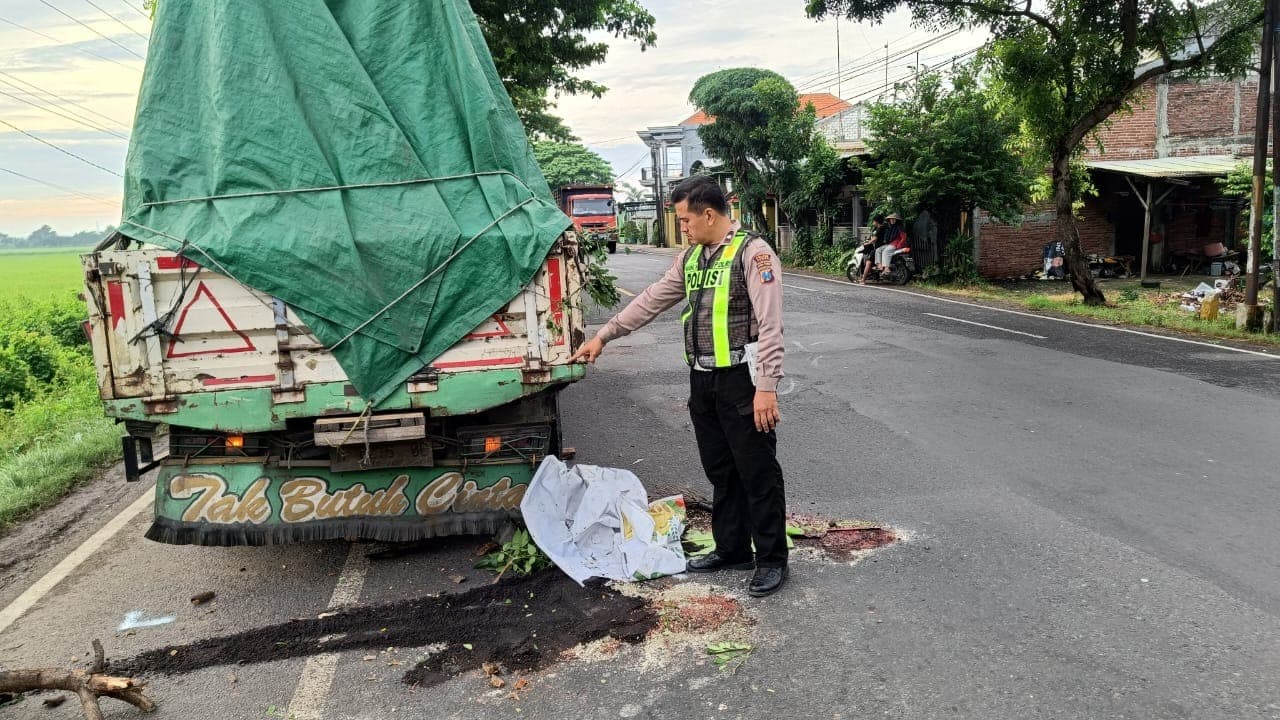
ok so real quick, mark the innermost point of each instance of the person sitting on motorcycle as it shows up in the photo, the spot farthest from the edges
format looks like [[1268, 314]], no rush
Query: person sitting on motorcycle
[[895, 239], [869, 247]]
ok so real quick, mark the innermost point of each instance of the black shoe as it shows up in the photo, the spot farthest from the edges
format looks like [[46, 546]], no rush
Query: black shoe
[[767, 580], [713, 561]]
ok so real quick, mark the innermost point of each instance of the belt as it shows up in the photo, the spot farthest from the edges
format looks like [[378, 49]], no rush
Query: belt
[[707, 363]]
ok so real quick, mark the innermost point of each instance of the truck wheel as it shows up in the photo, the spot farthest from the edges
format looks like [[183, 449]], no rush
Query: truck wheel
[[613, 246]]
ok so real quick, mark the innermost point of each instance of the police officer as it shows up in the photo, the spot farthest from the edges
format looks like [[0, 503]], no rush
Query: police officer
[[730, 284]]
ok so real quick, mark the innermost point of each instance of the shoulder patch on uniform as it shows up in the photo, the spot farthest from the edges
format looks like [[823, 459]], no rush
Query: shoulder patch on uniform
[[764, 265]]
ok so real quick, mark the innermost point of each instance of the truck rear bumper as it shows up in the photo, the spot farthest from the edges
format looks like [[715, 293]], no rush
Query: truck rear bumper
[[266, 503]]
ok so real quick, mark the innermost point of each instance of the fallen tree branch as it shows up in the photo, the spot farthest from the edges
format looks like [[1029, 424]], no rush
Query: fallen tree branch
[[88, 685]]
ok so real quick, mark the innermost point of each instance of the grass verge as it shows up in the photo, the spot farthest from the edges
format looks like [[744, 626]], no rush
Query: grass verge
[[1128, 303], [49, 444], [53, 433]]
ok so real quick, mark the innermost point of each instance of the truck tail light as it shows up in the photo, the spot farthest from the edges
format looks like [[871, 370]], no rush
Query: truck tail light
[[504, 443]]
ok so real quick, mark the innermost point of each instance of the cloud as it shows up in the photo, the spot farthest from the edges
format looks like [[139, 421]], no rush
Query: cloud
[[58, 57], [645, 88], [68, 214]]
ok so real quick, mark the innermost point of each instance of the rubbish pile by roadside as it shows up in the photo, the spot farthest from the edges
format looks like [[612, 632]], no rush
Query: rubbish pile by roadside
[[1208, 301]]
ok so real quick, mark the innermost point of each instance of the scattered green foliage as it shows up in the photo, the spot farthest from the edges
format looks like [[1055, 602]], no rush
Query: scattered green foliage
[[729, 655], [520, 556], [600, 283]]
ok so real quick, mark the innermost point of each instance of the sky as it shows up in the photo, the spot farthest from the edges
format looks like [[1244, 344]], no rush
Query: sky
[[70, 70]]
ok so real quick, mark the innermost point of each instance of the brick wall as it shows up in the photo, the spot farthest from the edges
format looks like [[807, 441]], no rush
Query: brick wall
[[1202, 109], [1015, 250], [1129, 136]]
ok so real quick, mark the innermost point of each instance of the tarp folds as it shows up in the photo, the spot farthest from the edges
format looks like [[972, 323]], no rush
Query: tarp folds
[[333, 154]]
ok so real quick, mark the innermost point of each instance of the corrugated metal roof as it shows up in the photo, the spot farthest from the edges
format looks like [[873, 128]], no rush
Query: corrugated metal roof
[[1199, 166]]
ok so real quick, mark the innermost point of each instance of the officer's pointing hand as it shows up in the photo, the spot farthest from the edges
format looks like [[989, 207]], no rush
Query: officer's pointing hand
[[588, 352], [766, 406]]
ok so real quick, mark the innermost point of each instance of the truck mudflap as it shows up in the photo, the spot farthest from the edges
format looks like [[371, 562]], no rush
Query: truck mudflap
[[257, 503]]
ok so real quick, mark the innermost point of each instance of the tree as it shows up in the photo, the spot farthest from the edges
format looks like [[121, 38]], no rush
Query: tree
[[758, 131], [567, 163], [1239, 184], [1071, 64], [822, 182], [538, 45], [947, 151], [631, 193], [43, 236]]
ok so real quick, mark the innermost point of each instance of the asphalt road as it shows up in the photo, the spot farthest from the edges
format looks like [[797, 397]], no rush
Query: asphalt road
[[1089, 519]]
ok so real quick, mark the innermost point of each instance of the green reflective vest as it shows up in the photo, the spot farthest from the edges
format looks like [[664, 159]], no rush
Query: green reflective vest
[[716, 278]]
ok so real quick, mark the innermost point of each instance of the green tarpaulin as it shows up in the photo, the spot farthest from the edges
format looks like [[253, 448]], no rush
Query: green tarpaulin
[[334, 155]]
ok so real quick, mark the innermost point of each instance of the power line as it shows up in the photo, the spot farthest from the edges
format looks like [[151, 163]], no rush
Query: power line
[[63, 115], [634, 165], [826, 80], [934, 61], [601, 142], [60, 149], [82, 51], [136, 9], [84, 25], [900, 78], [113, 17], [12, 78], [828, 77], [104, 201], [845, 68]]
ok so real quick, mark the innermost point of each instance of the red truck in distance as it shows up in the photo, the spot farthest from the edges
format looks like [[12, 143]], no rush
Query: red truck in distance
[[592, 210]]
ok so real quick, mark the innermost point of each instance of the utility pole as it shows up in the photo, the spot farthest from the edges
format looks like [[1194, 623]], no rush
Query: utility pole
[[1249, 314], [1275, 164], [657, 197], [839, 75], [886, 66]]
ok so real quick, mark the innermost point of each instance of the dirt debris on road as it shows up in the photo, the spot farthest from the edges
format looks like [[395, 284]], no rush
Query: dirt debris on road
[[520, 623]]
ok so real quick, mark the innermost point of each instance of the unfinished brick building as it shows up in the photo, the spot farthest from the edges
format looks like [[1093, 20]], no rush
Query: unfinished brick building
[[1180, 135]]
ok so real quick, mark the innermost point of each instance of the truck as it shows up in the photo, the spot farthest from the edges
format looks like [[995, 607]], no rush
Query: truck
[[592, 210], [341, 302]]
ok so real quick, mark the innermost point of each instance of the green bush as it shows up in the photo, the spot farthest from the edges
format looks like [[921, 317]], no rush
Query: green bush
[[847, 240], [956, 264], [16, 381], [53, 432], [41, 353], [60, 318], [632, 232], [802, 245]]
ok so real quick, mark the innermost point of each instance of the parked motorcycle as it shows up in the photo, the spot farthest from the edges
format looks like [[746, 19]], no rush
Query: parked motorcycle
[[901, 267]]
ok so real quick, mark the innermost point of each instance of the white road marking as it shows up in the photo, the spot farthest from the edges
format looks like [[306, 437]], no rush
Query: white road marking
[[1228, 348], [993, 327], [800, 287], [317, 675], [33, 594], [626, 292]]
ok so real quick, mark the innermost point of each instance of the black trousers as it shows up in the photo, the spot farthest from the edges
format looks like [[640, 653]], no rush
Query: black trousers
[[748, 504]]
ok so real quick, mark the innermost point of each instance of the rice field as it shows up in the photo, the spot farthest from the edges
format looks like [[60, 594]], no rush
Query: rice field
[[39, 274]]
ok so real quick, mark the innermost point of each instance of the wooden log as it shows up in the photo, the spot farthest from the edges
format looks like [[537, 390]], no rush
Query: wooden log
[[88, 685]]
